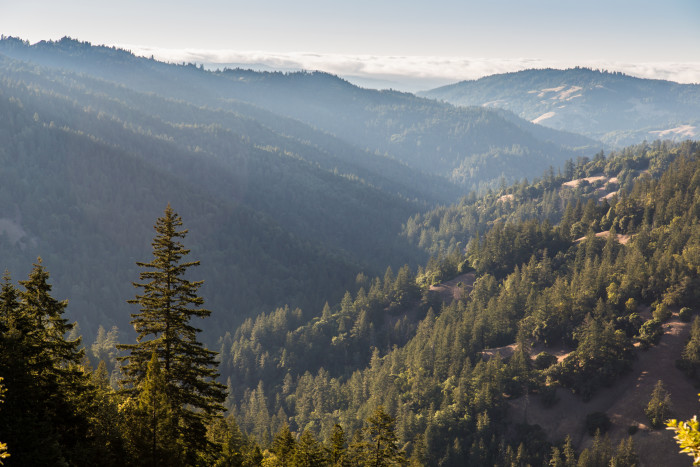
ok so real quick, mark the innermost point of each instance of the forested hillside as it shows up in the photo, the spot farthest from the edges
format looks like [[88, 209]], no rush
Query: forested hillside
[[312, 294], [97, 141], [568, 269], [86, 165], [611, 107], [537, 285], [478, 145]]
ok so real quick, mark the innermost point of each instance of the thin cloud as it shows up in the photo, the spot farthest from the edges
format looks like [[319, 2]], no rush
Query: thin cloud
[[409, 73]]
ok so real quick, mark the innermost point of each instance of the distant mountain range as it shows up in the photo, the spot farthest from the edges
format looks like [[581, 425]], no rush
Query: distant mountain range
[[614, 108], [290, 184], [472, 147]]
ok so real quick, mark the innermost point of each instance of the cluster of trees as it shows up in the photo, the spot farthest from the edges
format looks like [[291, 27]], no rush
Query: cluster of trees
[[390, 363], [280, 217], [584, 294], [59, 411], [577, 207]]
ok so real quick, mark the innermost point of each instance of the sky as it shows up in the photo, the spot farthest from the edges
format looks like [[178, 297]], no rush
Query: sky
[[406, 45]]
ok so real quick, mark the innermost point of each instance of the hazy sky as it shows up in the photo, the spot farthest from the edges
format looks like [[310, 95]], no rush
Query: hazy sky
[[440, 39]]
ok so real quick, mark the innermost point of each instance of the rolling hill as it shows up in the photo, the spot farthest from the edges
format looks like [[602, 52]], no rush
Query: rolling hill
[[614, 108]]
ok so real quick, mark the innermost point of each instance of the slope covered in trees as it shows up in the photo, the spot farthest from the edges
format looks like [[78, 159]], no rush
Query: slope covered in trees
[[589, 261], [551, 290], [83, 170], [480, 145], [389, 374]]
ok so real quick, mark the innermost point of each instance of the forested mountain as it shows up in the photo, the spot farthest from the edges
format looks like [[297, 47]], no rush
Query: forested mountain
[[471, 146], [84, 172], [353, 312], [612, 107], [579, 283], [264, 160]]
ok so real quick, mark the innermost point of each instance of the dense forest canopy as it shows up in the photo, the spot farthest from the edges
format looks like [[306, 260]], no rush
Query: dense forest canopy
[[394, 361], [344, 308]]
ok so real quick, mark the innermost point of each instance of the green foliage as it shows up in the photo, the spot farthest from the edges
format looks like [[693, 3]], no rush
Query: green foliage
[[337, 446], [650, 333], [602, 354], [317, 369], [661, 312], [187, 381], [309, 452], [685, 314], [49, 400], [659, 408], [283, 446], [544, 360], [597, 422], [150, 426], [379, 445], [687, 435]]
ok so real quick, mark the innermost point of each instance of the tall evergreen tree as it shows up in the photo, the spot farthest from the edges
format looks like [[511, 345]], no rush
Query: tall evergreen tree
[[45, 420], [167, 304], [381, 446], [338, 446]]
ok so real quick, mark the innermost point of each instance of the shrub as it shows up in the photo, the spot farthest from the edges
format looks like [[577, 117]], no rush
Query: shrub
[[685, 314], [650, 333], [661, 312], [597, 421], [544, 360]]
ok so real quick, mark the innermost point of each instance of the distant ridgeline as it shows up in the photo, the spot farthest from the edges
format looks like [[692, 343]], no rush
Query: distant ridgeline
[[568, 260], [321, 214], [611, 107], [290, 196]]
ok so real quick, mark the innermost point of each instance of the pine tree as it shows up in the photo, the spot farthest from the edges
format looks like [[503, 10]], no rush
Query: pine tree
[[283, 446], [338, 446], [154, 404], [309, 452], [381, 444], [659, 406], [168, 303], [227, 435], [45, 420]]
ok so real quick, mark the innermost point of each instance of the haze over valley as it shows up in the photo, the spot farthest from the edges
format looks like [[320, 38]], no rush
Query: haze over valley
[[322, 234]]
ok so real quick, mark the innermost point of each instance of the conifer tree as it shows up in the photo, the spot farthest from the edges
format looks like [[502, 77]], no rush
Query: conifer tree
[[309, 452], [338, 446], [283, 446], [381, 444], [168, 302], [46, 420], [659, 407]]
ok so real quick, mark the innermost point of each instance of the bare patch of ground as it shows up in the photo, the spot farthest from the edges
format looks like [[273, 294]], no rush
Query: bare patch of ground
[[578, 181], [622, 239], [448, 291], [624, 403], [505, 351], [451, 290], [683, 130], [559, 351]]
